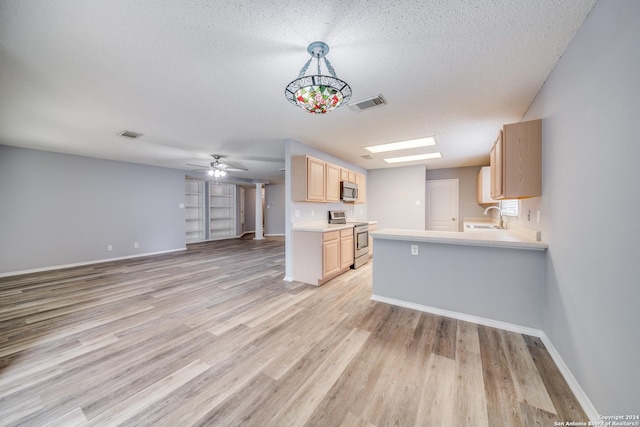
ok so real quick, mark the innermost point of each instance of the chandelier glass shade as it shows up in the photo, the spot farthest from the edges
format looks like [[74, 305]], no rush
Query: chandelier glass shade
[[318, 93]]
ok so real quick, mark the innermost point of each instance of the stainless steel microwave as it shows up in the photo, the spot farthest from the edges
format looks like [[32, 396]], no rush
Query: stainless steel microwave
[[348, 191]]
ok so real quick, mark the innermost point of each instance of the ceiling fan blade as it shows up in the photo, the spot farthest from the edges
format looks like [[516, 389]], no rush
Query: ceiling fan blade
[[198, 166], [236, 169]]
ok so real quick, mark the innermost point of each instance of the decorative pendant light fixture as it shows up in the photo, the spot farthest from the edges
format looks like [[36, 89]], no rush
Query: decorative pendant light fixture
[[318, 93]]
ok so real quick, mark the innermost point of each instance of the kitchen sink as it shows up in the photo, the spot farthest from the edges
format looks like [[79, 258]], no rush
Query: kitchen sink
[[483, 227]]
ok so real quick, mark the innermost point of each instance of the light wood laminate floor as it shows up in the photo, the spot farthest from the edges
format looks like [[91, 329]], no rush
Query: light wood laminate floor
[[214, 337]]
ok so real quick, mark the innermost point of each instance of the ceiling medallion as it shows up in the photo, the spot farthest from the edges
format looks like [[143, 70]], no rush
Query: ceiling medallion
[[318, 93]]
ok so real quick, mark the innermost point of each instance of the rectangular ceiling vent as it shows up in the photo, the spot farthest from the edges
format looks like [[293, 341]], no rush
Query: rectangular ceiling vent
[[130, 134], [367, 104], [367, 157]]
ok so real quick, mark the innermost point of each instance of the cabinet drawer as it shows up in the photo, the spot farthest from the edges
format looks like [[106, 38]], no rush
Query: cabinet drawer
[[330, 235], [348, 232]]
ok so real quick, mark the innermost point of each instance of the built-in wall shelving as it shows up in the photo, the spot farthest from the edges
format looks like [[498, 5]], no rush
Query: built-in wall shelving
[[194, 210], [210, 210], [222, 210]]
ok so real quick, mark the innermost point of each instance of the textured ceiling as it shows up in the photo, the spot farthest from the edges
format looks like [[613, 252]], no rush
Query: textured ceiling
[[203, 77]]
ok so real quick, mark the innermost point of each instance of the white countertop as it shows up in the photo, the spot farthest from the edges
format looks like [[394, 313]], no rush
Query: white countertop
[[323, 226], [491, 238]]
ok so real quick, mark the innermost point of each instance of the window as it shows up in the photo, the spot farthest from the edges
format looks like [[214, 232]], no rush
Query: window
[[510, 207]]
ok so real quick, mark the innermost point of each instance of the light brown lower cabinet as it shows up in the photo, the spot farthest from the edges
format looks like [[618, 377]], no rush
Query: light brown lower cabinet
[[346, 248], [330, 253], [319, 257]]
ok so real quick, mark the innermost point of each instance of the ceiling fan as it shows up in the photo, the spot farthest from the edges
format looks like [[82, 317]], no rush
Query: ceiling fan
[[217, 169]]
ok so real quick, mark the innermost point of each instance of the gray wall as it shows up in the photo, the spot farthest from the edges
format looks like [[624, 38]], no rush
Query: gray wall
[[274, 210], [589, 106], [436, 278], [58, 209], [396, 197], [467, 189]]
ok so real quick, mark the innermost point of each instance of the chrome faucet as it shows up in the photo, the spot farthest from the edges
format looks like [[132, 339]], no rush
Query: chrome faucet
[[499, 210]]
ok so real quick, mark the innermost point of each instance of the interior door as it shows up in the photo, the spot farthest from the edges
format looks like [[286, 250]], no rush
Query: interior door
[[442, 205]]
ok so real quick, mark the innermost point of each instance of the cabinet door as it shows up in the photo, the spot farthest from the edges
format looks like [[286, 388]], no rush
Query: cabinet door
[[497, 168], [330, 257], [315, 180], [483, 185], [332, 183], [346, 249], [361, 180], [522, 160], [479, 182]]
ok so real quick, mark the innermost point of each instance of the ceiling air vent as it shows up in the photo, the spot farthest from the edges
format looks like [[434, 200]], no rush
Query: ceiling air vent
[[130, 134], [366, 104], [367, 157]]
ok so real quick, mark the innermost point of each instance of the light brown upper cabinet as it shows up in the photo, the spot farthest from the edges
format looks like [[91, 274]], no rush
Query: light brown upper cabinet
[[332, 183], [315, 180], [347, 175], [483, 183], [308, 179], [361, 180], [516, 161]]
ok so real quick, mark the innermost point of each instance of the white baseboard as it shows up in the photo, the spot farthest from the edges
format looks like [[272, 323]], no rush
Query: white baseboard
[[582, 397], [460, 316], [274, 235], [80, 264], [288, 279]]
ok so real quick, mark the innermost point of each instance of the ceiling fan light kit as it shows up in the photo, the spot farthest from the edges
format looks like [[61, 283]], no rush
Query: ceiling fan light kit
[[318, 94], [216, 173], [217, 169]]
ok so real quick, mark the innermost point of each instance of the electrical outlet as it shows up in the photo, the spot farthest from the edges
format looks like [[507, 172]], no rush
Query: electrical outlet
[[109, 248], [414, 249], [136, 245], [296, 213]]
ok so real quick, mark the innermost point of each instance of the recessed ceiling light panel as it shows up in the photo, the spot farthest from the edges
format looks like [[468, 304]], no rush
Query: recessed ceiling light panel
[[416, 157], [402, 145]]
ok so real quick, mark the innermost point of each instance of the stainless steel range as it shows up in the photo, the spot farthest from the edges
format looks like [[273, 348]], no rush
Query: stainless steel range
[[360, 237], [361, 244]]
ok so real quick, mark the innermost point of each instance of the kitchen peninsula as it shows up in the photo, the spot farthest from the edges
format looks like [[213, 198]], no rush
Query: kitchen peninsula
[[485, 276]]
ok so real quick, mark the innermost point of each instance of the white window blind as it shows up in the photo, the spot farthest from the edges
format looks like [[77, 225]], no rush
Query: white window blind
[[510, 207]]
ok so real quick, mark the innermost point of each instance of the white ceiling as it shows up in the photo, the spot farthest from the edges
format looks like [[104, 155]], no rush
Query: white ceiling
[[204, 77]]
